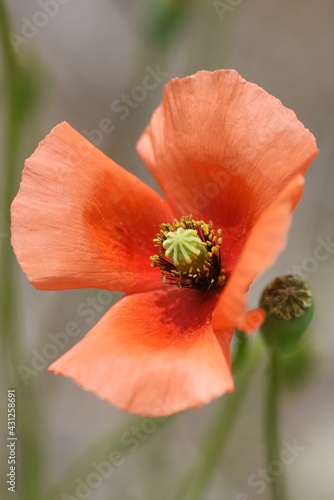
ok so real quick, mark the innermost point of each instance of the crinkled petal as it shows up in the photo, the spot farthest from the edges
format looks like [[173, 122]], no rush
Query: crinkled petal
[[154, 353], [265, 241], [222, 149], [79, 220]]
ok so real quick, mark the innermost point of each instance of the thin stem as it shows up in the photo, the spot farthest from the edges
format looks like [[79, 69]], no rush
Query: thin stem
[[10, 130], [272, 426], [199, 477], [17, 87]]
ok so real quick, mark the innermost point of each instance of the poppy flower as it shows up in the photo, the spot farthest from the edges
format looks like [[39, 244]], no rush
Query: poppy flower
[[229, 159]]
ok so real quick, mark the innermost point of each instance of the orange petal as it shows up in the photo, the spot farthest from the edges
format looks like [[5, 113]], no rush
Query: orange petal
[[266, 239], [222, 148], [79, 220], [154, 354]]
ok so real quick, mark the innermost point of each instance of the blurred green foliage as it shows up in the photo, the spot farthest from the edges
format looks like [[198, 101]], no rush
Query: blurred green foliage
[[162, 20]]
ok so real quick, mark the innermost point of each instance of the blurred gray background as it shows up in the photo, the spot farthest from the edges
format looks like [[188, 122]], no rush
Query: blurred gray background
[[88, 55]]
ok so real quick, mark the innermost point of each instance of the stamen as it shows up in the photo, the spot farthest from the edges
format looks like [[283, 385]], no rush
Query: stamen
[[189, 254]]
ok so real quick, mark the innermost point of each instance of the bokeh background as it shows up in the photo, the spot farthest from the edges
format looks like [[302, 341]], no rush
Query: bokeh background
[[72, 67]]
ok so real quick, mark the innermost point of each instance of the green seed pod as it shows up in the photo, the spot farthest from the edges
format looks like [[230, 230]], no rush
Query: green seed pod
[[185, 248], [289, 307]]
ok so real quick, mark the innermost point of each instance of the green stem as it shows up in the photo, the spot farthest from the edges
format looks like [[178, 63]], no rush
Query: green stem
[[198, 479], [17, 89], [273, 443], [10, 131]]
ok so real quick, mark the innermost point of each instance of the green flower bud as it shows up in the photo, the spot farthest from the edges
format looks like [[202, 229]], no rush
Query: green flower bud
[[289, 306]]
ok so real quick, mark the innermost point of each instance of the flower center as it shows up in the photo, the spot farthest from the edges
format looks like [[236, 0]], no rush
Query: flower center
[[189, 254], [184, 247]]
